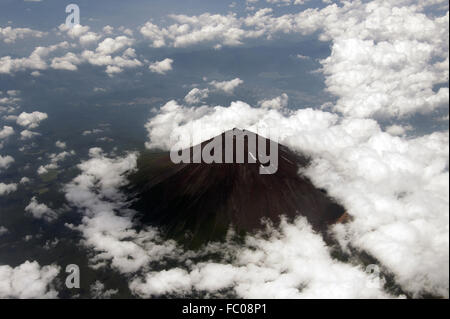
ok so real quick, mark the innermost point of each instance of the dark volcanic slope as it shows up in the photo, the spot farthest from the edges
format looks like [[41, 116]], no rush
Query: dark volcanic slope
[[201, 200]]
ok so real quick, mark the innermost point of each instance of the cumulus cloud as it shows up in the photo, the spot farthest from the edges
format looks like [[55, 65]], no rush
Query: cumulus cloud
[[36, 60], [31, 120], [200, 123], [291, 262], [396, 189], [43, 169], [107, 227], [28, 280], [60, 144], [26, 135], [161, 67], [209, 28], [385, 61], [80, 32], [112, 45], [114, 64], [5, 161], [276, 103], [98, 291], [6, 132], [106, 54], [396, 193], [101, 57], [54, 160], [67, 62], [5, 189], [10, 35], [107, 29], [196, 95], [227, 86], [24, 180], [40, 211]]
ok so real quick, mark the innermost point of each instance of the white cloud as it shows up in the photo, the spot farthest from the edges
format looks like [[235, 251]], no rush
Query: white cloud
[[161, 67], [98, 291], [89, 38], [26, 135], [114, 64], [6, 132], [171, 281], [61, 145], [275, 103], [35, 61], [10, 35], [43, 169], [96, 193], [384, 79], [102, 56], [80, 32], [154, 33], [94, 131], [107, 29], [41, 211], [395, 188], [126, 31], [24, 180], [67, 62], [371, 190], [5, 161], [302, 57], [110, 45], [75, 31], [196, 95], [31, 120], [274, 265], [112, 69], [205, 28], [292, 262], [385, 61], [6, 189], [54, 160], [281, 2], [3, 230], [227, 86], [28, 280]]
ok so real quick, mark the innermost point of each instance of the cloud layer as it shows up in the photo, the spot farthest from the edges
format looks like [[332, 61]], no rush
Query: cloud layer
[[28, 280], [395, 188]]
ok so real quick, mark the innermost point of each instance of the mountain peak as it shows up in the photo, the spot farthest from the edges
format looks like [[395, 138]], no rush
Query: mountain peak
[[204, 199]]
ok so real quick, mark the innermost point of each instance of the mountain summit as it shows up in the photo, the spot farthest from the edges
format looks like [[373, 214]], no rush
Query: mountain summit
[[197, 202]]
